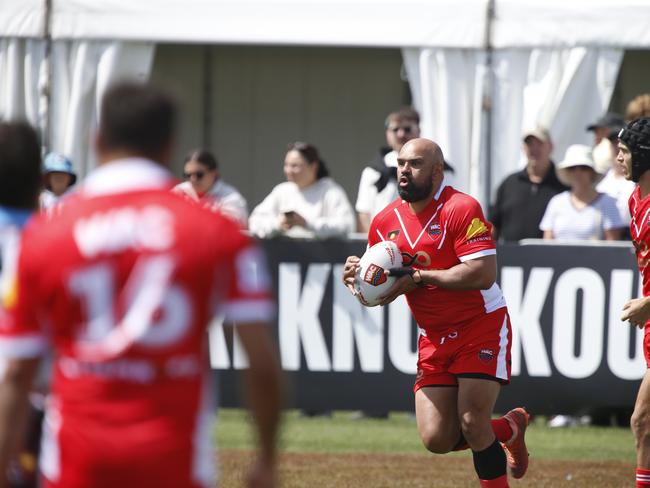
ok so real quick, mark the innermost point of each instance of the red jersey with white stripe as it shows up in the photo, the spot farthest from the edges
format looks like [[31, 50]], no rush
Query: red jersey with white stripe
[[640, 231], [122, 283], [452, 229]]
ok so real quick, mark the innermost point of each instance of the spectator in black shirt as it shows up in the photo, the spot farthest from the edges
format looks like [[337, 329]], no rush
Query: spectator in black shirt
[[522, 197]]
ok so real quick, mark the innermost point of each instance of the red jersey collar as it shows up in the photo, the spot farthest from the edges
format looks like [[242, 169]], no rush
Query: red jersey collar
[[443, 185]]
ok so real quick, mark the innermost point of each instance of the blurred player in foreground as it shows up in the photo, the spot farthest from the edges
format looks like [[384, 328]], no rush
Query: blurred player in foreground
[[20, 183], [464, 348], [633, 159], [121, 285]]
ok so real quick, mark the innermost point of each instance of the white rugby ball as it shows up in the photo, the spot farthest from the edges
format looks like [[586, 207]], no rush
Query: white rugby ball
[[371, 281]]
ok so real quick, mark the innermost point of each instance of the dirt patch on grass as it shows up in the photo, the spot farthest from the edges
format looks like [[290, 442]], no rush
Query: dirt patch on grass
[[317, 470]]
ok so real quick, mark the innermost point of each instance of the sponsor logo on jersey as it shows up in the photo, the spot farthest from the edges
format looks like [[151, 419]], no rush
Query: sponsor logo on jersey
[[374, 275], [475, 229], [434, 230], [486, 355], [392, 235]]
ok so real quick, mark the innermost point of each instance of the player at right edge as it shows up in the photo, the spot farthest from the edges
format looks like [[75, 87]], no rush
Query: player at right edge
[[634, 159]]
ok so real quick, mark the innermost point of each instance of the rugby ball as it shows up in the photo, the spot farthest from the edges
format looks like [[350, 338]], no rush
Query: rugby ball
[[371, 281]]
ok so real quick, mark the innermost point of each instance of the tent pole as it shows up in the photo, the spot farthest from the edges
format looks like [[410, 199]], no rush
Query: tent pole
[[206, 132], [488, 98], [46, 84]]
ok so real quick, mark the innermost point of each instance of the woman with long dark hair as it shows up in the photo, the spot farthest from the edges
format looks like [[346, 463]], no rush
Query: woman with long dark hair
[[309, 203]]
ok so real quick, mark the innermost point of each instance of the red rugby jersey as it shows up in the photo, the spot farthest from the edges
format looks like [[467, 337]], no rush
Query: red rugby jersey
[[452, 229], [640, 231], [121, 284]]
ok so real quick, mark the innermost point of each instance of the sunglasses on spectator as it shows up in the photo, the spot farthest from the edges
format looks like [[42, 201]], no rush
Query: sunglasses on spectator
[[196, 174], [407, 129]]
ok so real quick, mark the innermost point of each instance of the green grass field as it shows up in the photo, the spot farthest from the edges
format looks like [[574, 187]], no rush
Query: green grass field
[[343, 452], [398, 435]]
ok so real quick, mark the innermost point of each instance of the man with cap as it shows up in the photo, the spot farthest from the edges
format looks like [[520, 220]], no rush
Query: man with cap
[[522, 197], [58, 178], [608, 124], [634, 159]]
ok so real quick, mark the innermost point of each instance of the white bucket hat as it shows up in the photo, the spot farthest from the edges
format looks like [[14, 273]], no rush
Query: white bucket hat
[[576, 155]]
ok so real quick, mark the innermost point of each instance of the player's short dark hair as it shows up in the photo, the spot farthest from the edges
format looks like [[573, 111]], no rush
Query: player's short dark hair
[[310, 153], [20, 165], [203, 156], [136, 117], [403, 114]]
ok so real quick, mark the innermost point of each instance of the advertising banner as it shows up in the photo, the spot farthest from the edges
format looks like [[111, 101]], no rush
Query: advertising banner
[[570, 351]]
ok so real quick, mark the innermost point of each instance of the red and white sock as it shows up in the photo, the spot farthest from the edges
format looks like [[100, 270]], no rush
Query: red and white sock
[[500, 482], [642, 478]]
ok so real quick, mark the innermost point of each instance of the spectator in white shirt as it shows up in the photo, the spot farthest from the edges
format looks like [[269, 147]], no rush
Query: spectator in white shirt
[[581, 213], [308, 204], [204, 185], [378, 183], [378, 187]]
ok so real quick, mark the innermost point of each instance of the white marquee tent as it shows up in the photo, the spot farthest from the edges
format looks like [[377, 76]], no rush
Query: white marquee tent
[[480, 70]]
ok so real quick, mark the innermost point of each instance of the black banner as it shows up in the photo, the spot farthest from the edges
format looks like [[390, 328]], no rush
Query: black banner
[[571, 353]]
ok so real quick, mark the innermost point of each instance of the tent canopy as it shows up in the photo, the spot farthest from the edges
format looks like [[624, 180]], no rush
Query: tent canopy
[[554, 64], [22, 18], [397, 23]]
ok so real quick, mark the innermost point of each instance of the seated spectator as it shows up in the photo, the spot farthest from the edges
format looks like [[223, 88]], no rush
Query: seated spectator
[[308, 204], [204, 185], [638, 107], [581, 213], [614, 182], [522, 197], [58, 179], [605, 126], [378, 183]]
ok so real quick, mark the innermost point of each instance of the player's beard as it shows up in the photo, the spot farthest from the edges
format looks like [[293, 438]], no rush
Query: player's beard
[[413, 192]]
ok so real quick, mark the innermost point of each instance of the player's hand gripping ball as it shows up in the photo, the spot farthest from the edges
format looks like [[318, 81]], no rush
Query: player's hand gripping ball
[[371, 281]]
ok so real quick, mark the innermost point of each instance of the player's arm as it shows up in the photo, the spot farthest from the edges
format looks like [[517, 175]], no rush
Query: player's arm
[[15, 384], [248, 303], [264, 390], [474, 274], [349, 271], [351, 265], [474, 248], [637, 311]]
